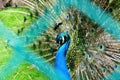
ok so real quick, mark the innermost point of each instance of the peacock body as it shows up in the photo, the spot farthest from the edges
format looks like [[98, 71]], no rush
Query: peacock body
[[60, 62], [84, 48]]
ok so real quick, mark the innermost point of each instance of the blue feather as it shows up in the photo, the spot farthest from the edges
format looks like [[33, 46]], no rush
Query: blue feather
[[60, 63]]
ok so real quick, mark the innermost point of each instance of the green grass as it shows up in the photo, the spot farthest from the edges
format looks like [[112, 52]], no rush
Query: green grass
[[13, 18], [5, 52], [24, 73]]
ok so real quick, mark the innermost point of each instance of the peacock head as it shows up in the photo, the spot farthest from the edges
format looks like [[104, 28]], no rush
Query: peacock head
[[62, 38]]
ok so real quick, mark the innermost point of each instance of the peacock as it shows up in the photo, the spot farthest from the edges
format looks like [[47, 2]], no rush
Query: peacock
[[60, 63], [82, 50]]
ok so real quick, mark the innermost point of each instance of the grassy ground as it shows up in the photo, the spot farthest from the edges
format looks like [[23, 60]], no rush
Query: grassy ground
[[5, 52], [14, 19], [24, 73]]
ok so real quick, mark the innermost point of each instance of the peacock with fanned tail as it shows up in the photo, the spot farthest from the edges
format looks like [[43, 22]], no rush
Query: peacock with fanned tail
[[93, 53]]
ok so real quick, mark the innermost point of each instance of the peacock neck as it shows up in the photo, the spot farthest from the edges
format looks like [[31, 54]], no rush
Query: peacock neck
[[60, 63]]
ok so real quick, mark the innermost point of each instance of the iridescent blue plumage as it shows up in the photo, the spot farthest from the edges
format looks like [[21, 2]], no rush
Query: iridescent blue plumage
[[60, 63]]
